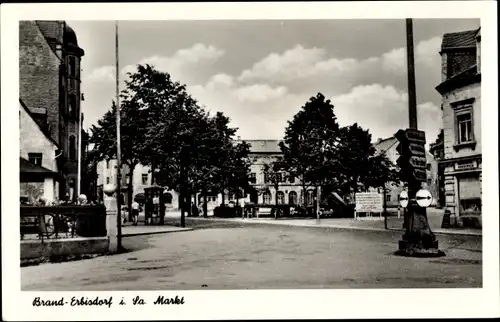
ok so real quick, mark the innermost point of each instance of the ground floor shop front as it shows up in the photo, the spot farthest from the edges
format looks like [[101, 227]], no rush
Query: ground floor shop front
[[463, 190]]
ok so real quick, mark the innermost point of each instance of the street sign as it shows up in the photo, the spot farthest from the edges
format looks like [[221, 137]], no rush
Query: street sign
[[403, 199], [424, 198], [411, 149], [416, 148], [415, 135], [418, 162], [420, 175]]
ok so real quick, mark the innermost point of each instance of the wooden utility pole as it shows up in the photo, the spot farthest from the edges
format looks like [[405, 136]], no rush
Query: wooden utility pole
[[418, 239], [118, 146]]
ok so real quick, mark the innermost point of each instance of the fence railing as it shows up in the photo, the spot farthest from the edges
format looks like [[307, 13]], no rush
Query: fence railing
[[63, 221]]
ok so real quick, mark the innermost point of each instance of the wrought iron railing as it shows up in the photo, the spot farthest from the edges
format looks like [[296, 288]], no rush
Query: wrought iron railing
[[64, 221]]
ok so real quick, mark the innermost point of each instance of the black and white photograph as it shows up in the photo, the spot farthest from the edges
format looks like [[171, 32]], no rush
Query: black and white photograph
[[163, 160]]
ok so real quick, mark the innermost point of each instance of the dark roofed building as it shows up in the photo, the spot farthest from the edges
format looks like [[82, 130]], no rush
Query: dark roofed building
[[458, 53], [460, 149], [49, 87], [463, 39]]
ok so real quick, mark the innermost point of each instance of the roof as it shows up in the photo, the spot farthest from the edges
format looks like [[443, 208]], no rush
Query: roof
[[264, 146], [27, 167], [384, 144], [45, 133], [69, 35], [461, 39], [468, 76]]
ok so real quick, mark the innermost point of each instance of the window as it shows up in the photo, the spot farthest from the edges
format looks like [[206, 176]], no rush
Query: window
[[72, 147], [266, 177], [388, 198], [310, 197], [429, 166], [291, 179], [107, 164], [292, 198], [279, 177], [267, 198], [253, 177], [107, 180], [72, 106], [72, 66], [145, 178], [168, 198], [429, 181], [464, 127], [281, 197], [35, 158]]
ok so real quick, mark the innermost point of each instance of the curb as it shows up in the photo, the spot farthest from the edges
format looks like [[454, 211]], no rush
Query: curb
[[156, 232], [452, 233]]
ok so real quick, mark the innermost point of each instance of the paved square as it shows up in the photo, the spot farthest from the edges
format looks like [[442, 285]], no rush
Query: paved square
[[264, 257]]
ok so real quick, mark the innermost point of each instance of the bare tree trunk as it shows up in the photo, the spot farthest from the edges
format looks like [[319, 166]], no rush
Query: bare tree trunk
[[130, 190], [205, 206], [223, 194], [182, 196]]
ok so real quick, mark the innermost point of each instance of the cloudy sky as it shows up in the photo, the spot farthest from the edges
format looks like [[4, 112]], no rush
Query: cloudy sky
[[259, 73]]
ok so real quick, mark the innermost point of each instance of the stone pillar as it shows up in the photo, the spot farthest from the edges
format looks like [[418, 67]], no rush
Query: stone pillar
[[111, 213]]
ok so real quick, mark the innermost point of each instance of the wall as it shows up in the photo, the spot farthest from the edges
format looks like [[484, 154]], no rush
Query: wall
[[33, 140], [64, 247], [38, 74], [470, 91]]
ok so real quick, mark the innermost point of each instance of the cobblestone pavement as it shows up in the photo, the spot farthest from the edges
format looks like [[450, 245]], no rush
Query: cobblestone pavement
[[236, 256]]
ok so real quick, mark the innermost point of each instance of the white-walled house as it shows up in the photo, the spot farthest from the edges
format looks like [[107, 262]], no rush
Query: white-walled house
[[38, 166], [461, 104]]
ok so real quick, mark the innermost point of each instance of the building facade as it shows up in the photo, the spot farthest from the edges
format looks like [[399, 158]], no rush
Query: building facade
[[38, 175], [264, 192], [461, 103], [141, 178], [49, 87]]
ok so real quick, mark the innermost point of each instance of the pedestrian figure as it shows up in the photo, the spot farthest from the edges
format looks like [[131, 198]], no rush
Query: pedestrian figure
[[135, 212]]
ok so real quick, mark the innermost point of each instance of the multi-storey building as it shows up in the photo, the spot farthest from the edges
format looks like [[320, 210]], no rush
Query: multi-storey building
[[289, 190], [461, 104], [49, 87]]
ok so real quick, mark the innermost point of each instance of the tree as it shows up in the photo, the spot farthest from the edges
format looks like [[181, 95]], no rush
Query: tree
[[311, 142], [362, 167], [147, 93]]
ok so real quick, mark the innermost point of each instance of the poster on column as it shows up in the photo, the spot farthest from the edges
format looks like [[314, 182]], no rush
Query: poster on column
[[369, 202]]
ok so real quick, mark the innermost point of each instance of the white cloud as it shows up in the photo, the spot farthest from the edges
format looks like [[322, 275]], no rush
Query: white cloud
[[384, 110], [220, 81], [184, 58], [100, 74], [299, 63], [260, 93]]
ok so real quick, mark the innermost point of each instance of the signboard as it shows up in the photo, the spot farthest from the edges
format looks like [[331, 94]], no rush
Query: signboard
[[403, 199], [420, 175], [417, 149], [415, 135], [424, 198], [465, 166], [418, 162], [369, 202]]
